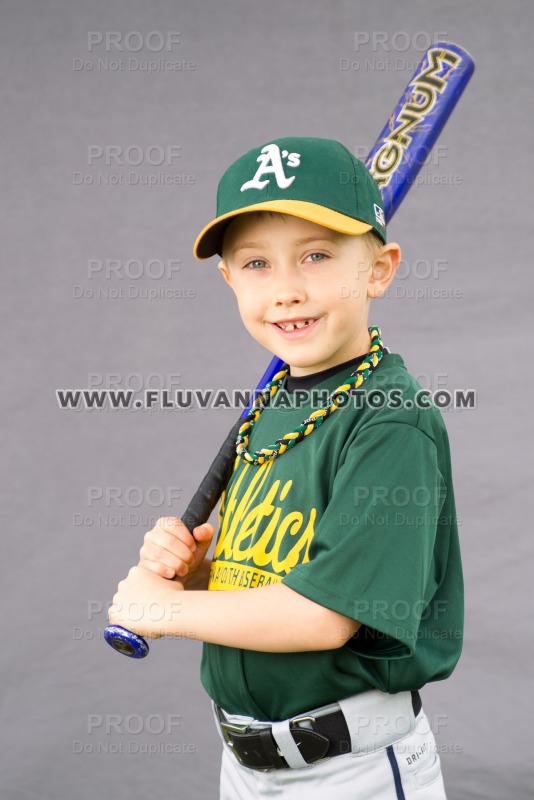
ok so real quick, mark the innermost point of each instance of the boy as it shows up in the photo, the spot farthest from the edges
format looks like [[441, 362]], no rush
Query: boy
[[335, 590]]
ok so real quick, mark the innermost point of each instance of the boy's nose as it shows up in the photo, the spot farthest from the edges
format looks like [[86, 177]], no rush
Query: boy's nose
[[288, 298], [288, 289]]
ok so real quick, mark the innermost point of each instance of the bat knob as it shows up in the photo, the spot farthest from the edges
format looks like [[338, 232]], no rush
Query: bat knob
[[126, 642]]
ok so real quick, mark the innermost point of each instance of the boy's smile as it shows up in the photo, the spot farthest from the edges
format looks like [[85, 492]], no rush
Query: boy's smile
[[294, 328], [303, 290]]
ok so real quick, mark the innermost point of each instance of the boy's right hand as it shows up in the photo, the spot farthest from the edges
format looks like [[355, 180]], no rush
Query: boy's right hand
[[170, 550]]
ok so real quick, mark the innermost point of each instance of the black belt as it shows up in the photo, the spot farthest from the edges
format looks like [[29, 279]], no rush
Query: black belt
[[324, 737]]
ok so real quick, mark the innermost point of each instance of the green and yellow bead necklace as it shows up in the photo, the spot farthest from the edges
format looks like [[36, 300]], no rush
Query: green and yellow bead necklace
[[307, 426]]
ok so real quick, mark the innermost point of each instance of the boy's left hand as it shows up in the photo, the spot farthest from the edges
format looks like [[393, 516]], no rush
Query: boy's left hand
[[146, 604]]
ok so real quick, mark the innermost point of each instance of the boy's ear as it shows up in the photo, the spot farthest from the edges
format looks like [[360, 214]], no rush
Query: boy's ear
[[383, 269], [225, 272]]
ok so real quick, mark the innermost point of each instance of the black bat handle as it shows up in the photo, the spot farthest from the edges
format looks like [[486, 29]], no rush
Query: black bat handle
[[206, 496]]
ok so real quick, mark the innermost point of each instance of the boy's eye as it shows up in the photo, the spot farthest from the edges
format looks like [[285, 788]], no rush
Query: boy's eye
[[316, 257], [256, 263]]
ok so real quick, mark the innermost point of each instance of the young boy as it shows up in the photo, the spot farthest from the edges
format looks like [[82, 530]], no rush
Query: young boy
[[335, 590]]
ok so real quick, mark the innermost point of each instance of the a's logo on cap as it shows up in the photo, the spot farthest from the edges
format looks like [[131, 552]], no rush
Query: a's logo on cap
[[270, 161], [379, 215]]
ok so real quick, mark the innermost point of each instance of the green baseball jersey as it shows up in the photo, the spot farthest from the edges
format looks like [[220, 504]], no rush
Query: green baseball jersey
[[359, 517]]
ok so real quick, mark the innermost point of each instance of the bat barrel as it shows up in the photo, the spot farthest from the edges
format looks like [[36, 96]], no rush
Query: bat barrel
[[417, 120]]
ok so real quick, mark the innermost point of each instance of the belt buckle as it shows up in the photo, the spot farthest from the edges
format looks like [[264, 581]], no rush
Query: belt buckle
[[227, 727], [231, 726]]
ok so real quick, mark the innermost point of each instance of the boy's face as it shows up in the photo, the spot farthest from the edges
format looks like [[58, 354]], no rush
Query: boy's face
[[303, 290]]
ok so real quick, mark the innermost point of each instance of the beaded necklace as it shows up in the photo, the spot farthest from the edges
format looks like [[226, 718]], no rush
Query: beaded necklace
[[307, 426]]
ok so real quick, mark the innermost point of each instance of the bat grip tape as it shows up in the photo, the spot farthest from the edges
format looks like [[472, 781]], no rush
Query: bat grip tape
[[212, 486]]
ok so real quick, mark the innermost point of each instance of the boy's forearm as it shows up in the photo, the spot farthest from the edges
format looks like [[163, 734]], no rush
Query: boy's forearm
[[269, 619]]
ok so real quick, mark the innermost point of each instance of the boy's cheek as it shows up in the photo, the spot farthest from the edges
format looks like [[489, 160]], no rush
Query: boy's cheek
[[250, 311], [249, 320]]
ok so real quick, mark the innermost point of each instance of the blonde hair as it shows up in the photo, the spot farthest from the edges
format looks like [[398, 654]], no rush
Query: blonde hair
[[371, 239]]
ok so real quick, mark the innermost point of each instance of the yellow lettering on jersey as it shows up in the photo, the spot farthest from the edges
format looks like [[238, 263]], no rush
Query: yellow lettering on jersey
[[225, 575], [240, 541], [235, 511]]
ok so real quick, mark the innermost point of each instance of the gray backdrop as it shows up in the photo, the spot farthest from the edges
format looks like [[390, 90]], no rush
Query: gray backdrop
[[101, 97]]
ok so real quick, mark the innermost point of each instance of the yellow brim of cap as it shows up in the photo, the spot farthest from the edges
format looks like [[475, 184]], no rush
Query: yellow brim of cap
[[208, 240]]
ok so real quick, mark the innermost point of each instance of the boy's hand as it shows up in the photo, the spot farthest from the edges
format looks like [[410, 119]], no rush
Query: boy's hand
[[146, 603], [170, 550]]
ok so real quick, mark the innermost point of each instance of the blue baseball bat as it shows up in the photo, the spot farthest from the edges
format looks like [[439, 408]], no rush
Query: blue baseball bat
[[395, 160]]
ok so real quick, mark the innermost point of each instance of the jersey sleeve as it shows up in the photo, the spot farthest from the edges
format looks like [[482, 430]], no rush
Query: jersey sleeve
[[372, 557]]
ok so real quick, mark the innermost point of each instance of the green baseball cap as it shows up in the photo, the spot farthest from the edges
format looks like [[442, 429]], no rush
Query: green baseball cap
[[315, 179]]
